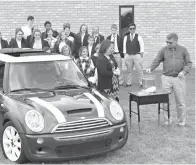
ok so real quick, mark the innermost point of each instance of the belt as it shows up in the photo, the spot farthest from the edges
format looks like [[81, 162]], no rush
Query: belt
[[115, 53], [135, 53], [171, 75]]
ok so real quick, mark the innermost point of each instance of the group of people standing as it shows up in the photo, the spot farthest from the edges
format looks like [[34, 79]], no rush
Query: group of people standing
[[101, 57], [85, 48]]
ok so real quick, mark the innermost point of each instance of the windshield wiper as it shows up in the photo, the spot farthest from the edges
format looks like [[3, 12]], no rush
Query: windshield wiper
[[71, 86], [32, 90]]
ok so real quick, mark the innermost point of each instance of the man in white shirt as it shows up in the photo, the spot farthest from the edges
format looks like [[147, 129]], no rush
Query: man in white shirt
[[27, 29], [118, 49], [133, 49]]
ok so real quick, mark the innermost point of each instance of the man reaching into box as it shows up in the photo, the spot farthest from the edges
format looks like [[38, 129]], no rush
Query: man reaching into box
[[176, 64]]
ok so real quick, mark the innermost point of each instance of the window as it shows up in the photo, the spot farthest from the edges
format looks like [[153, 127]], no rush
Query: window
[[126, 16]]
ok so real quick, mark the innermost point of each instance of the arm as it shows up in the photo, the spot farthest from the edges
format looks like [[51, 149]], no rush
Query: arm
[[103, 69], [120, 47], [141, 42], [187, 63], [5, 44], [45, 45], [114, 61], [159, 58], [42, 35], [92, 65], [101, 38], [55, 34], [71, 45], [124, 45], [56, 47], [11, 44]]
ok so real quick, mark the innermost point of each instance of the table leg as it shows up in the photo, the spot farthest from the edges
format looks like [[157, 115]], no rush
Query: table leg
[[138, 114], [168, 109], [130, 110], [159, 107]]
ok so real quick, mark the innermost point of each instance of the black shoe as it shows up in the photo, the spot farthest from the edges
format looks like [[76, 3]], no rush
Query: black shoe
[[127, 85], [117, 99]]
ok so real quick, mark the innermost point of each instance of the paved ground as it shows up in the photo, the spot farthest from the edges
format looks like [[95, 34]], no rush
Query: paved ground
[[155, 144]]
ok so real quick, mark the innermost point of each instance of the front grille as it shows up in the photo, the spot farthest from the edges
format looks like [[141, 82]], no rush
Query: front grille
[[81, 125], [86, 148]]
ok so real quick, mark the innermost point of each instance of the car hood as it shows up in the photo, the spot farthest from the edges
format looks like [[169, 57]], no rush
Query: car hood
[[70, 105]]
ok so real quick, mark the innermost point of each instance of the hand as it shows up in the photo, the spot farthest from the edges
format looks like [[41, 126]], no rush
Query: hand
[[142, 53], [92, 80], [125, 55], [48, 51], [148, 70], [117, 72], [181, 74]]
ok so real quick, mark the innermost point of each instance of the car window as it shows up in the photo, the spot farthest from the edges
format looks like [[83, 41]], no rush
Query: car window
[[45, 75]]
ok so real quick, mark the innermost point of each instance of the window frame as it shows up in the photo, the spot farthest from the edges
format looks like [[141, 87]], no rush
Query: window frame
[[2, 84], [125, 6]]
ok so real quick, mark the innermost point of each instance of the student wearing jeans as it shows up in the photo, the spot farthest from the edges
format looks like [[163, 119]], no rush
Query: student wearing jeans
[[176, 64]]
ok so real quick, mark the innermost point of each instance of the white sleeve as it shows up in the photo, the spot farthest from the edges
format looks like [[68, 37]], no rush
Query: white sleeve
[[141, 42], [92, 65], [124, 44]]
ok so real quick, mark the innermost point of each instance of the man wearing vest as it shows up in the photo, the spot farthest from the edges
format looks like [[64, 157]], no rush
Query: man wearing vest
[[133, 49], [117, 49]]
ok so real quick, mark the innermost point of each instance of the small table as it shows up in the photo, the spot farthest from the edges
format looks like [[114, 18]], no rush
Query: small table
[[160, 96]]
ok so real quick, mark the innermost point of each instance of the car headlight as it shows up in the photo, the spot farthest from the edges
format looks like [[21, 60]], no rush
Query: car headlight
[[116, 110], [34, 121]]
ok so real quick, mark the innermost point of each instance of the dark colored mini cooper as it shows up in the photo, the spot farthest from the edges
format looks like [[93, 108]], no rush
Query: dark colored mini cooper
[[48, 111]]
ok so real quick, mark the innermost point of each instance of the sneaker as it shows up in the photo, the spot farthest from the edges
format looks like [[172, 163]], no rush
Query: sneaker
[[181, 123], [121, 84]]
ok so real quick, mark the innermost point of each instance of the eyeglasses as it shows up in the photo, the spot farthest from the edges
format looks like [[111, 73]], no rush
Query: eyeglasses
[[169, 42], [131, 28]]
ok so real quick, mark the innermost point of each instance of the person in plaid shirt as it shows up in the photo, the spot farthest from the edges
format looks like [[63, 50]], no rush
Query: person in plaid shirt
[[85, 63]]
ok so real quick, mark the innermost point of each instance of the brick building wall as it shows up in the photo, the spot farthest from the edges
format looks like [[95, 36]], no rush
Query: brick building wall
[[154, 19]]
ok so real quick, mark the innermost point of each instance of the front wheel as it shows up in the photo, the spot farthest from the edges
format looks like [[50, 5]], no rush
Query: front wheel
[[12, 144]]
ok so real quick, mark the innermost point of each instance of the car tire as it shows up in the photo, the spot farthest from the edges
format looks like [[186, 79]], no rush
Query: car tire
[[12, 144]]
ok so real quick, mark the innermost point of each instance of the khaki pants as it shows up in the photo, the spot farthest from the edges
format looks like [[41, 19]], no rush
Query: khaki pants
[[119, 63], [178, 87], [131, 61]]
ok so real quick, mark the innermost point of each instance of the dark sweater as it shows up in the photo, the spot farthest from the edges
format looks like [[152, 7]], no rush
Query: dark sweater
[[4, 44], [105, 73]]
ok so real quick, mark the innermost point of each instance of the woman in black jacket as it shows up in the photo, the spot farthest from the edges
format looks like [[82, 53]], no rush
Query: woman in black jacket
[[3, 43], [108, 71], [81, 38], [37, 42], [18, 41]]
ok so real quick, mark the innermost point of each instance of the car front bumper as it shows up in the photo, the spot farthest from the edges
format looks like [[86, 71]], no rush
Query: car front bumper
[[60, 146]]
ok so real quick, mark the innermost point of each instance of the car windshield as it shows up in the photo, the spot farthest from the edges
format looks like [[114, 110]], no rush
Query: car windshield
[[45, 75]]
